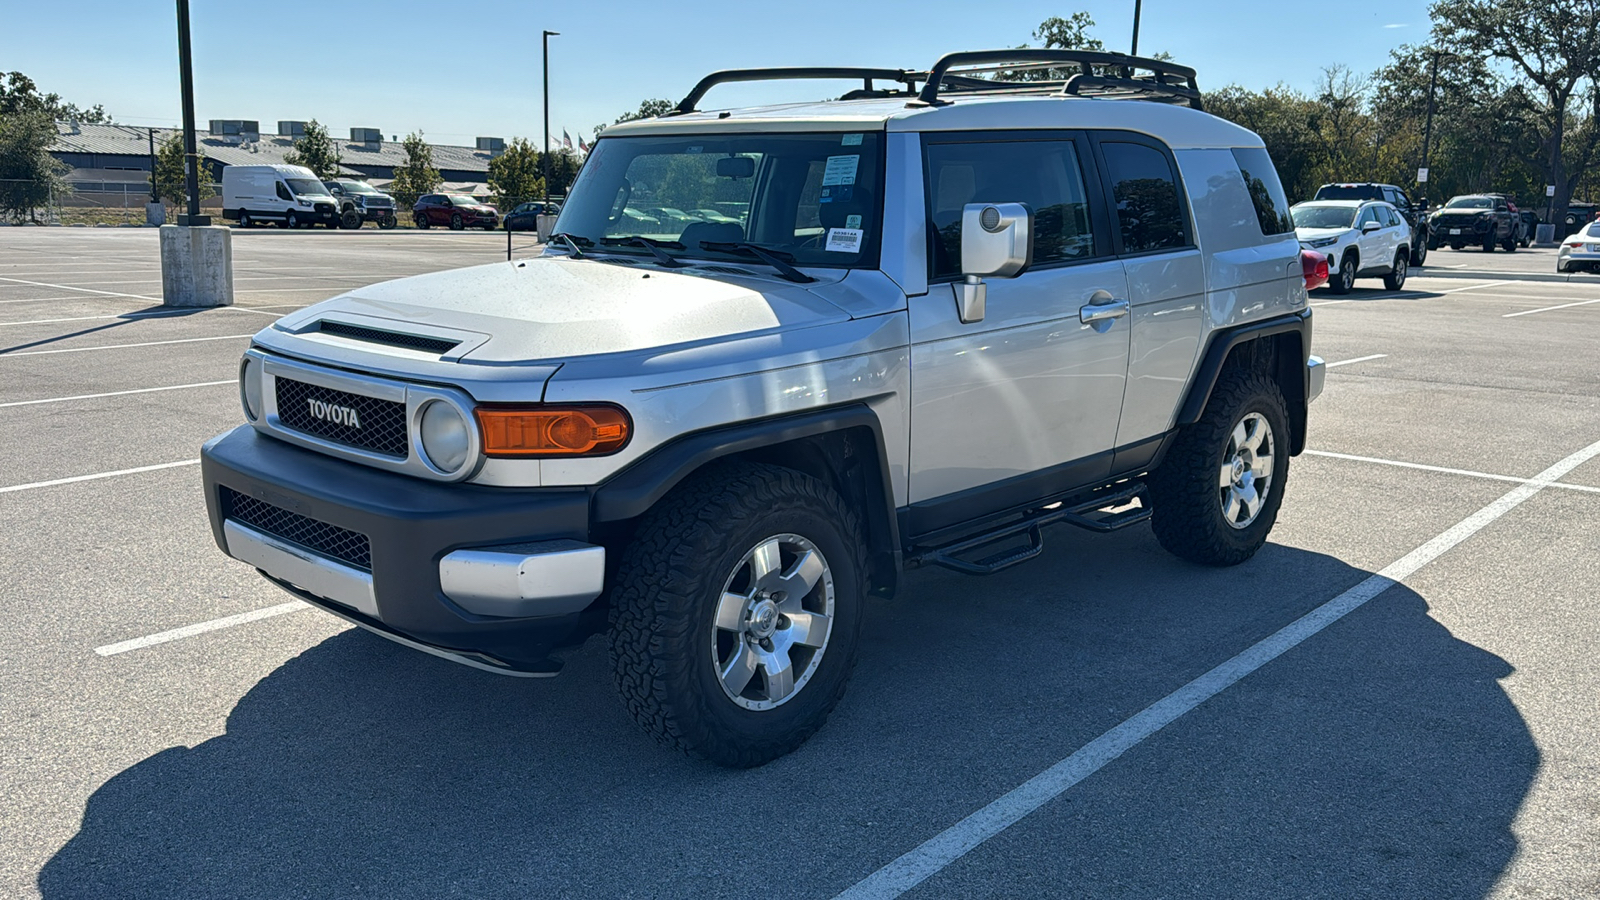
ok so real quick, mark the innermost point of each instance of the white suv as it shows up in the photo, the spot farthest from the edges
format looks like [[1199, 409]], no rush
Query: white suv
[[1361, 238], [913, 326]]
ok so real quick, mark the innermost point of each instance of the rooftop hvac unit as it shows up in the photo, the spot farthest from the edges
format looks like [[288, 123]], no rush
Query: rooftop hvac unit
[[243, 129], [292, 129], [366, 136], [494, 145]]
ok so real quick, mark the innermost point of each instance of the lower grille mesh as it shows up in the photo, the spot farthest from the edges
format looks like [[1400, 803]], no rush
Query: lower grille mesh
[[351, 547]]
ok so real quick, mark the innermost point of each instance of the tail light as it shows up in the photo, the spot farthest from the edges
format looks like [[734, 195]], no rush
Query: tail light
[[551, 431], [1314, 267]]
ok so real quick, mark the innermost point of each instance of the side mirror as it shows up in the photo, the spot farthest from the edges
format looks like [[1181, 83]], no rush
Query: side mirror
[[1370, 226], [996, 241]]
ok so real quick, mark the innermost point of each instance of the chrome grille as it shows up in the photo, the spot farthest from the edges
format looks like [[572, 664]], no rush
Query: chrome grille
[[382, 423], [342, 544]]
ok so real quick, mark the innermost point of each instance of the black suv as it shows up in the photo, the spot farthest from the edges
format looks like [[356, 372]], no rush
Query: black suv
[[1414, 214], [1478, 220]]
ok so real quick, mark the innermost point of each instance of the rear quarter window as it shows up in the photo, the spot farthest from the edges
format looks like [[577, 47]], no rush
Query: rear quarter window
[[1266, 191]]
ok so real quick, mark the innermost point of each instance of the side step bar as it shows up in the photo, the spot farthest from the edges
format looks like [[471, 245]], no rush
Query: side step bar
[[948, 555]]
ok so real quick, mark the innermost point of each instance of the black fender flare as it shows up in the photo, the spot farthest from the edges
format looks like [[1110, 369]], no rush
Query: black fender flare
[[1216, 355]]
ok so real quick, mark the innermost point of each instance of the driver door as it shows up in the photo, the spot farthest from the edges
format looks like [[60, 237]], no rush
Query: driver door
[[1026, 401]]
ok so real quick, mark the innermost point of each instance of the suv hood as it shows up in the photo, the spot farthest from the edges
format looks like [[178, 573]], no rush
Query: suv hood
[[1312, 234], [550, 309]]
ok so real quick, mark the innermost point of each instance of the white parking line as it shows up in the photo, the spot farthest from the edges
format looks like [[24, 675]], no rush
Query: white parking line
[[944, 848], [1330, 302], [164, 314], [1346, 362], [1446, 471], [1529, 312], [41, 299], [68, 287], [1471, 287], [98, 475], [220, 337], [201, 628], [173, 387]]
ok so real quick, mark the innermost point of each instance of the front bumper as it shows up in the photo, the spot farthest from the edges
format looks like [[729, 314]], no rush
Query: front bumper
[[492, 577]]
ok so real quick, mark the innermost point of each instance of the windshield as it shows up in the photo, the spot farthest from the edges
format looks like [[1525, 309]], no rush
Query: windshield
[[814, 197], [1470, 203], [357, 187], [462, 200], [306, 187], [1323, 216]]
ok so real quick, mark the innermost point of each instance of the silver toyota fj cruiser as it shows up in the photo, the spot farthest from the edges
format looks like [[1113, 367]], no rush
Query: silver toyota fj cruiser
[[774, 356]]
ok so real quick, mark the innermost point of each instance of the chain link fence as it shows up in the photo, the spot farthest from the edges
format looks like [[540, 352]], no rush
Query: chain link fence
[[89, 203]]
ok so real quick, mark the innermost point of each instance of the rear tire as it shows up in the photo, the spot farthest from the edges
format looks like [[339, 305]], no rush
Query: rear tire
[[422, 222], [1396, 279], [1510, 244], [704, 587], [1419, 251], [1245, 429]]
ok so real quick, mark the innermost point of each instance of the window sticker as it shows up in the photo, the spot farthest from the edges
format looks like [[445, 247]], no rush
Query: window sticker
[[843, 240], [852, 221], [841, 170], [694, 149], [839, 192], [851, 140]]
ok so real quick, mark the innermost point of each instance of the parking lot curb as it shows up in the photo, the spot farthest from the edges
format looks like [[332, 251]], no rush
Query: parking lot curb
[[1481, 275]]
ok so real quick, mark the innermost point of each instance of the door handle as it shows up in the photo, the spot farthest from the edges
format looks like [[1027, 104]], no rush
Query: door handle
[[1102, 312]]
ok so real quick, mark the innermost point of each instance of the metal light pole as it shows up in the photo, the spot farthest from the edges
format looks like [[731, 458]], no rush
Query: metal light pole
[[191, 159], [544, 152], [1134, 51], [154, 197]]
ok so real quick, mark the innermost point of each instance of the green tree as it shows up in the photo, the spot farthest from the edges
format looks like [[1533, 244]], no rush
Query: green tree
[[648, 109], [316, 151], [416, 176], [19, 94], [564, 165], [171, 182], [29, 176], [515, 176], [1553, 46]]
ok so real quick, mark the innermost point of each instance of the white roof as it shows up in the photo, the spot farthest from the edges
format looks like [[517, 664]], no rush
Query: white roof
[[1347, 204], [1178, 126]]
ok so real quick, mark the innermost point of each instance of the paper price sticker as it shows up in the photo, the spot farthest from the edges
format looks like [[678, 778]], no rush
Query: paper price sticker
[[851, 140], [844, 240], [841, 170]]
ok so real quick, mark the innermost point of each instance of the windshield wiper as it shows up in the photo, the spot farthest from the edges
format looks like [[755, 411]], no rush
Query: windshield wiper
[[778, 259], [651, 244], [572, 241]]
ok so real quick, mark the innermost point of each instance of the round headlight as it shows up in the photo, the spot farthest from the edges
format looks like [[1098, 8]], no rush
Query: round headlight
[[250, 388], [444, 436]]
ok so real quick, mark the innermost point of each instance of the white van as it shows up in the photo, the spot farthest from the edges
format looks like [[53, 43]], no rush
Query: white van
[[290, 196]]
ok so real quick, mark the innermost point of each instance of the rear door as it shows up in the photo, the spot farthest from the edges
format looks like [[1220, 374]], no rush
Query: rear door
[[1025, 402], [1372, 245]]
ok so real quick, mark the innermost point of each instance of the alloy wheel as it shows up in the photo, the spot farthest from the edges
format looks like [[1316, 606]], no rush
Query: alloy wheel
[[1245, 480], [773, 622]]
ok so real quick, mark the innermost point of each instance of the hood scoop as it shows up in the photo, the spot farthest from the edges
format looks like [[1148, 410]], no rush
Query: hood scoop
[[435, 345]]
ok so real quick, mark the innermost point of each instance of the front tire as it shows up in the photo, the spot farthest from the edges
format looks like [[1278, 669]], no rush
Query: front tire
[[736, 612], [291, 221], [1488, 243], [244, 220], [388, 222], [455, 222], [1216, 495], [1344, 279], [1419, 252], [350, 220], [1396, 279], [1510, 243]]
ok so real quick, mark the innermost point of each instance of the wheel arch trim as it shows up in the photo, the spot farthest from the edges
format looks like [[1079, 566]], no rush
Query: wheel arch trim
[[1291, 372]]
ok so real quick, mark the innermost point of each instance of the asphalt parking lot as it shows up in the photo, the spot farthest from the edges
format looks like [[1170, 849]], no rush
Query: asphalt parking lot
[[1396, 698]]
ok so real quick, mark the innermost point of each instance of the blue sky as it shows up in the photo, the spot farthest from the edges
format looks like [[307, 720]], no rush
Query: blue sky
[[464, 68]]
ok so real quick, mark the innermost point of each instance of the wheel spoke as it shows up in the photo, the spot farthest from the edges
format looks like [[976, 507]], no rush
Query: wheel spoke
[[730, 611], [1251, 499], [801, 578], [1226, 478], [764, 561], [1231, 506], [808, 628], [779, 672], [1261, 467], [1258, 430], [739, 669], [1240, 435]]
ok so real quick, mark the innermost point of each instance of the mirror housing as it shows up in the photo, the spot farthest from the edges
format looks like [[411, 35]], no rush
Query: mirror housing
[[996, 241], [1370, 226]]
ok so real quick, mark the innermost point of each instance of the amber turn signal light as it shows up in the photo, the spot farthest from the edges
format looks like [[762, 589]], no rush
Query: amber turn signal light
[[552, 431]]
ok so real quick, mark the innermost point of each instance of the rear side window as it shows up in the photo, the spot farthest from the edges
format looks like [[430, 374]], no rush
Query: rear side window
[[1266, 192], [1045, 175], [1146, 194]]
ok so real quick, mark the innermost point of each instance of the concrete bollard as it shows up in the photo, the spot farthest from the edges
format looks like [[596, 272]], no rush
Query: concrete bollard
[[1544, 235], [155, 214], [196, 265]]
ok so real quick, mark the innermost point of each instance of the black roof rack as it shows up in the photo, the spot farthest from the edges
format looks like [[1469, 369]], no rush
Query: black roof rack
[[867, 76], [1102, 74]]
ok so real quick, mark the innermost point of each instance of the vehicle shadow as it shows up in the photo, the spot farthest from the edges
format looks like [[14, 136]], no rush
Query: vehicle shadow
[[1381, 758], [138, 315]]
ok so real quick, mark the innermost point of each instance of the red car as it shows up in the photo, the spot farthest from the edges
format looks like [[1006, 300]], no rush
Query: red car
[[455, 210]]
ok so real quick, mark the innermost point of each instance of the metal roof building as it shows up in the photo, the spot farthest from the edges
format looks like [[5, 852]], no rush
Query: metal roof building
[[127, 148]]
